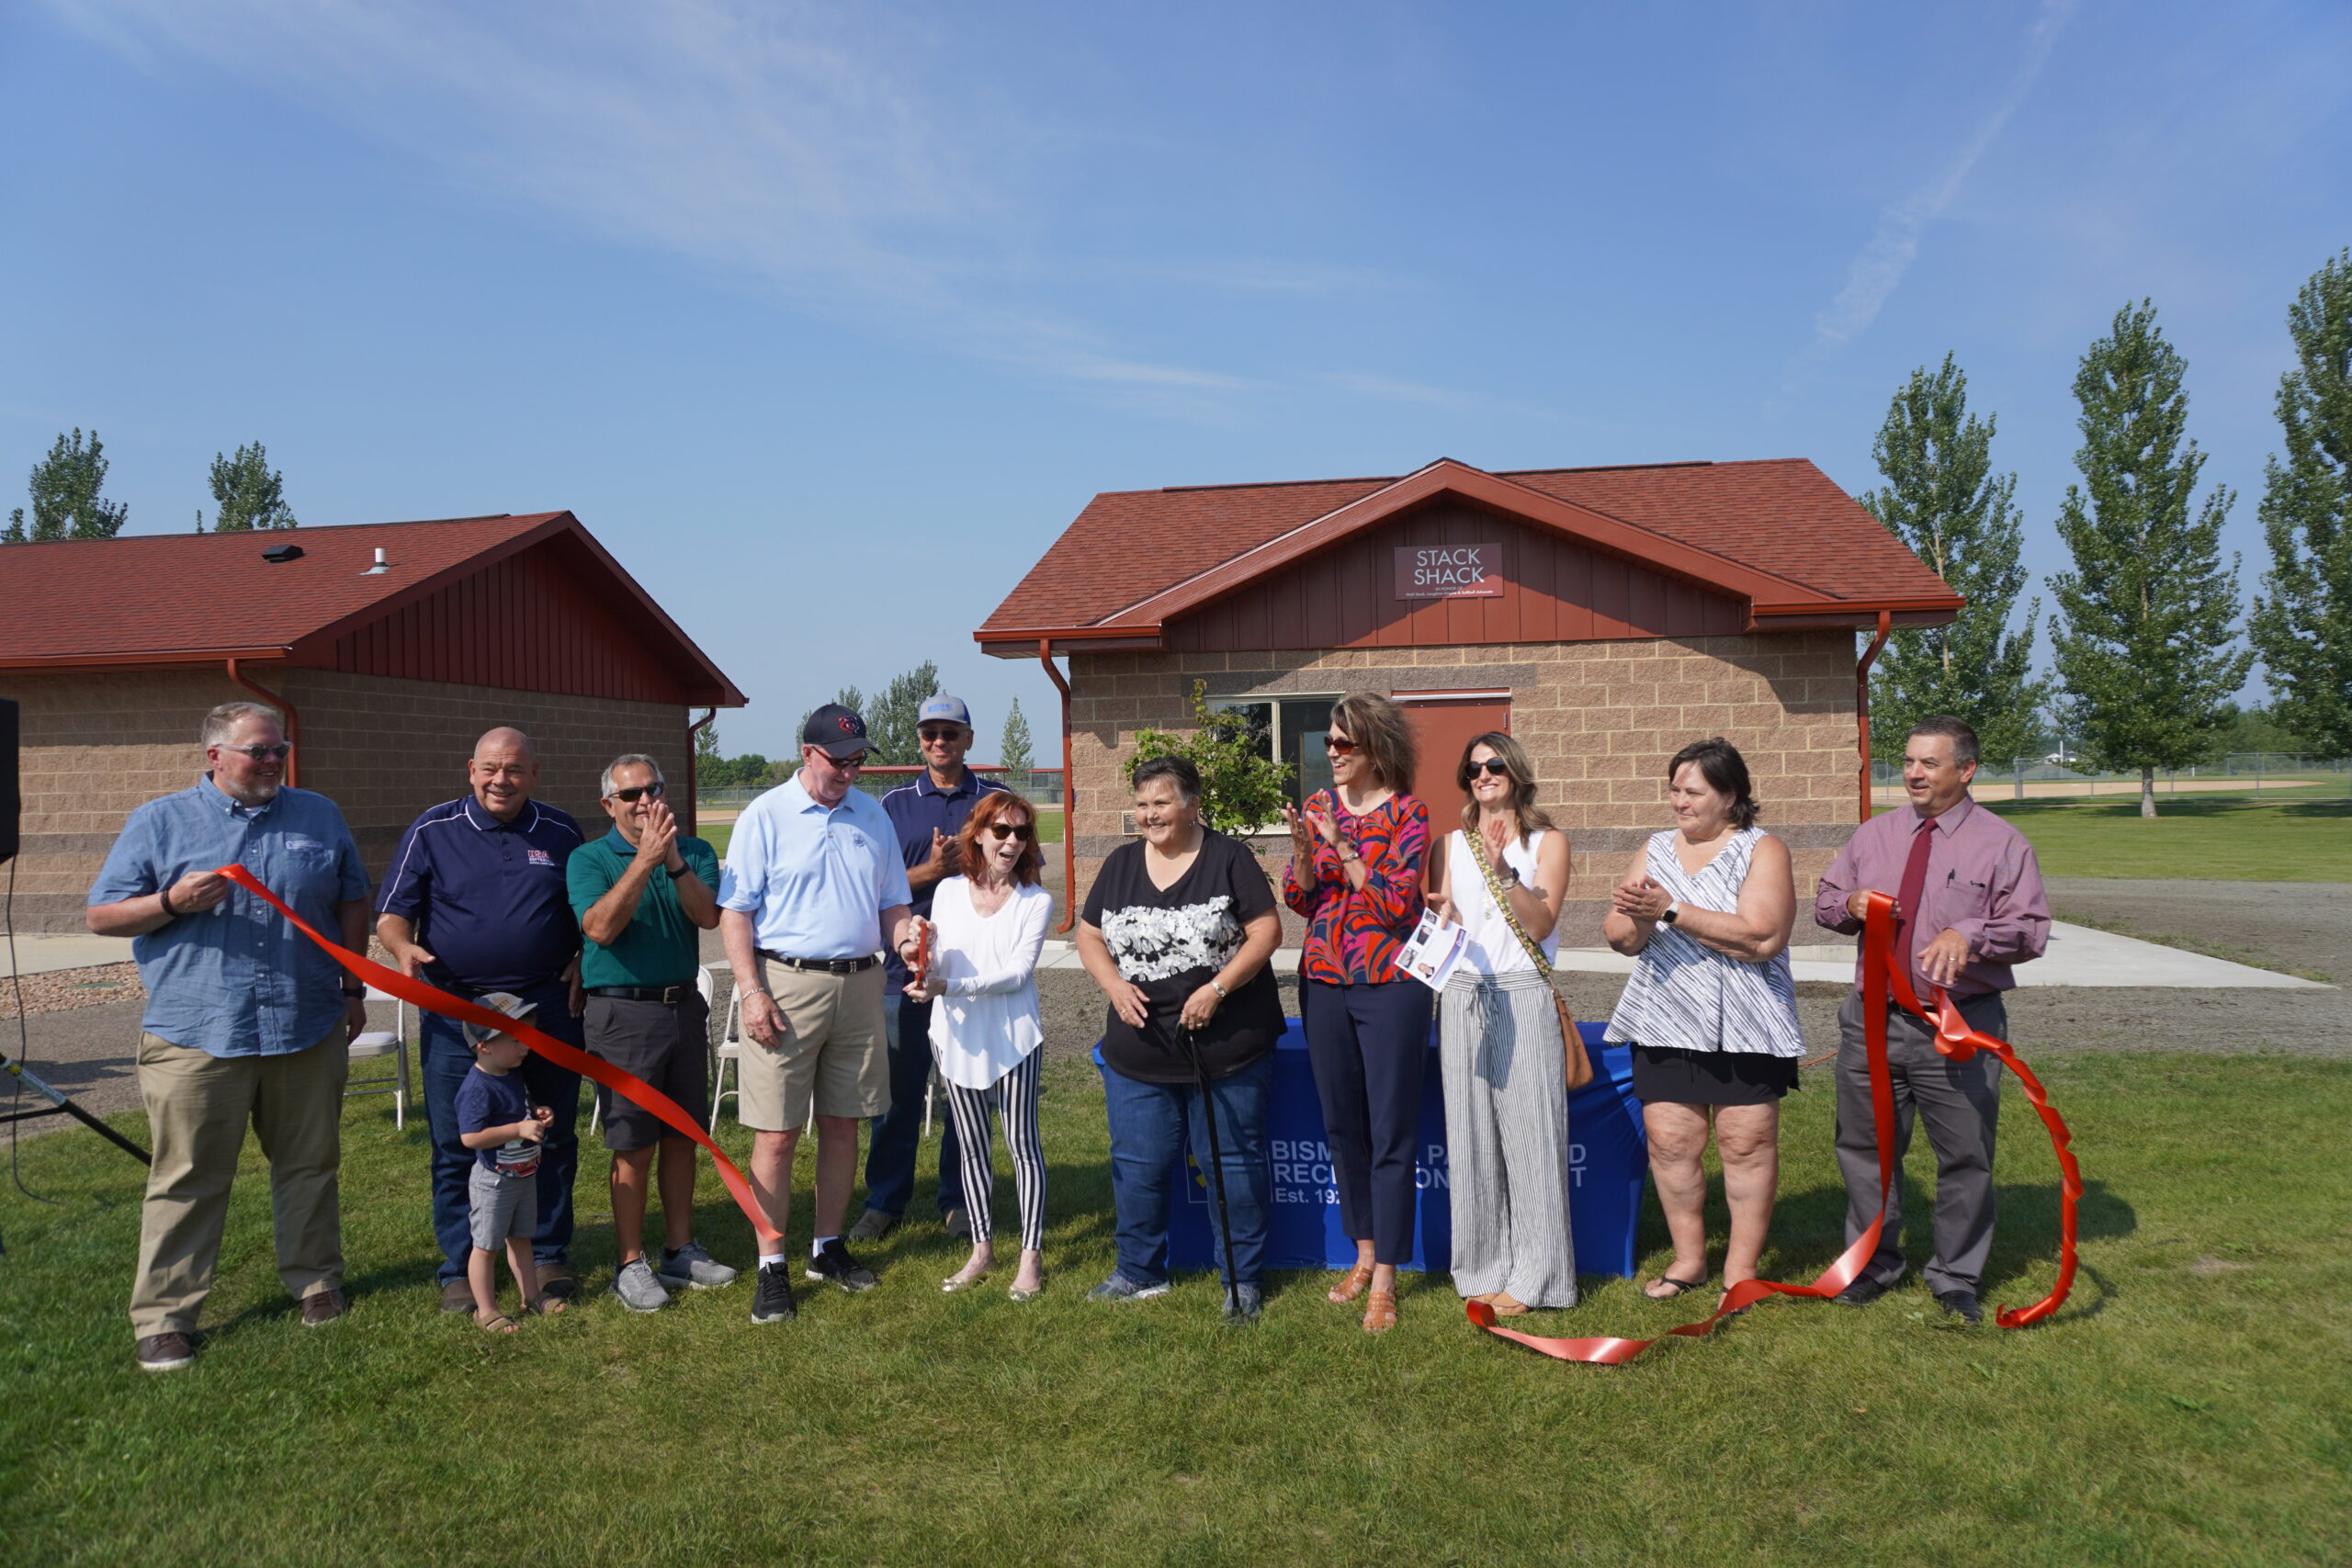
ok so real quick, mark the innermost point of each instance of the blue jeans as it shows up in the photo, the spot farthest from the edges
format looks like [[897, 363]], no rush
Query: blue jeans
[[1369, 1046], [898, 1131], [446, 1059], [1151, 1123]]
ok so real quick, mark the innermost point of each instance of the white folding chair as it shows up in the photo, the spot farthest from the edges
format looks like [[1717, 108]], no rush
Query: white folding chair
[[382, 1043], [729, 1048]]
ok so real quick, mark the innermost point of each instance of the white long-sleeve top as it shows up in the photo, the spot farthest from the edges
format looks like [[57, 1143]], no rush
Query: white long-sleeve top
[[986, 1020]]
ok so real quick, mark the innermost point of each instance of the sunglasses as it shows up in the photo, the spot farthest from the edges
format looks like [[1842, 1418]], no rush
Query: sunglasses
[[1494, 767], [1338, 745], [634, 793], [950, 732], [856, 762], [1020, 831], [277, 753]]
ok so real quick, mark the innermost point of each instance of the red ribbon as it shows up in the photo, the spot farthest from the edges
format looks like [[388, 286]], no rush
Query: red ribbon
[[391, 982], [1881, 977]]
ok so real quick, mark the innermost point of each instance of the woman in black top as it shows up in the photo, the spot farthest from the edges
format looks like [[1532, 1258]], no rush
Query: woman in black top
[[1177, 931]]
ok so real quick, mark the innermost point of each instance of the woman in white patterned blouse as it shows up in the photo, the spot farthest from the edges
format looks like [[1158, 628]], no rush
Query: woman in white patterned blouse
[[1711, 1011]]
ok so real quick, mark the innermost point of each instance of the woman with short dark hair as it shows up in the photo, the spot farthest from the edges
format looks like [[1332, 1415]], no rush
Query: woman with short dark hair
[[1177, 931], [1355, 874], [1711, 1011]]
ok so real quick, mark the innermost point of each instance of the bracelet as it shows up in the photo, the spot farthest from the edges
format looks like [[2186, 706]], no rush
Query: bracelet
[[1221, 992], [163, 896], [349, 992]]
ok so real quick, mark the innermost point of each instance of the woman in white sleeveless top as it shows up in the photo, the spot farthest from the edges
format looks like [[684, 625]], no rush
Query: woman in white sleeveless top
[[1498, 1041], [1711, 1011]]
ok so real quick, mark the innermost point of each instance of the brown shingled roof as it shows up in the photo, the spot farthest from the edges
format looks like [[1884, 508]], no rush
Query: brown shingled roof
[[1776, 531]]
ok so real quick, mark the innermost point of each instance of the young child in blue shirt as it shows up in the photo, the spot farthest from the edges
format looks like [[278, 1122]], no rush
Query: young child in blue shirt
[[497, 1120]]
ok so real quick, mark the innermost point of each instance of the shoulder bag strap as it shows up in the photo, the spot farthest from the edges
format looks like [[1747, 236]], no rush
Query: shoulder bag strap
[[1579, 1066]]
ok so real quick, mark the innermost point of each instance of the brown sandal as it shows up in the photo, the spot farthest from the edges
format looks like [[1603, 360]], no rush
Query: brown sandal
[[1379, 1312], [497, 1323], [1351, 1287], [1504, 1304]]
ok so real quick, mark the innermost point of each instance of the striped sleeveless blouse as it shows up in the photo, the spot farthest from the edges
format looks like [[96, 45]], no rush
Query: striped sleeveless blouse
[[1684, 994]]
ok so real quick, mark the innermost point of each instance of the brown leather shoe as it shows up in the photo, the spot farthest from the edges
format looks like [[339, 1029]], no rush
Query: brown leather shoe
[[1379, 1311], [458, 1295], [1351, 1287], [322, 1306], [165, 1352]]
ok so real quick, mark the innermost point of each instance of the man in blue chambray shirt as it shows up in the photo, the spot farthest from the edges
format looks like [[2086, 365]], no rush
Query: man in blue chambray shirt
[[927, 814], [811, 893], [476, 901], [247, 1020]]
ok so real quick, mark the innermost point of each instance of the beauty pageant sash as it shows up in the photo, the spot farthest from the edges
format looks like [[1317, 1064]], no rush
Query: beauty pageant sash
[[1882, 978]]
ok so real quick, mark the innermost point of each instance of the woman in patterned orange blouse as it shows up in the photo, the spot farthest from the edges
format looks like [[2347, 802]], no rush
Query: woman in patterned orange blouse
[[1355, 872]]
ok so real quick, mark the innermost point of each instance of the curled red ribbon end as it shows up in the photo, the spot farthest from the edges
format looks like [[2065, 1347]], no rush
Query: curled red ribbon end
[[1882, 977], [391, 982]]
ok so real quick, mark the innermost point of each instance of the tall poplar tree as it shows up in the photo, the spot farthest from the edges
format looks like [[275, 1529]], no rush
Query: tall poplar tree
[[247, 493], [1943, 500], [2303, 627], [64, 491], [1013, 752], [2143, 628]]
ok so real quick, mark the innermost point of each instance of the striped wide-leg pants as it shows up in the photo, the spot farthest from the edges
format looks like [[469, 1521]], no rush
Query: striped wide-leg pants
[[1014, 1099], [1506, 1138]]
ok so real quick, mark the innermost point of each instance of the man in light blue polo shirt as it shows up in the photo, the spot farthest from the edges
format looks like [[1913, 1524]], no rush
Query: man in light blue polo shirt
[[247, 1020], [812, 892]]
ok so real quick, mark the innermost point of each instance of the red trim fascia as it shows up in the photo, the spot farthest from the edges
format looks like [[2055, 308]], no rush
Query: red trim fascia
[[1862, 702], [138, 660], [1069, 795]]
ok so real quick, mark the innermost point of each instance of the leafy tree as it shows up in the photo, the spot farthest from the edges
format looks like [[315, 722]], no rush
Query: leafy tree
[[891, 722], [2258, 729], [707, 756], [1013, 749], [2143, 629], [2303, 626], [247, 493], [1942, 498], [1241, 788], [67, 504]]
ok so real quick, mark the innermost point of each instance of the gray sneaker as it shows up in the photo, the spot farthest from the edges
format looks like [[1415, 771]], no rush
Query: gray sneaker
[[872, 1225], [692, 1269], [637, 1289], [1119, 1288], [1243, 1305], [958, 1222]]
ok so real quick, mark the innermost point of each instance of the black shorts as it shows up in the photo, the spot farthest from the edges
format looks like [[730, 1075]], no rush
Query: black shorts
[[1711, 1077], [668, 1045]]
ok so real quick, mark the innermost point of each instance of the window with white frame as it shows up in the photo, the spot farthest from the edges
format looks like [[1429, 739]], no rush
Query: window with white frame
[[1289, 730]]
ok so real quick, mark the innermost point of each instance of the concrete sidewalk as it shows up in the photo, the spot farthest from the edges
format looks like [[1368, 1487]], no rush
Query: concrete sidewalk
[[2079, 955], [44, 955]]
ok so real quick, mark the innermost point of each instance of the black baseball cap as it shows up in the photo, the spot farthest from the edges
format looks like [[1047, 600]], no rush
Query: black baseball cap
[[835, 731]]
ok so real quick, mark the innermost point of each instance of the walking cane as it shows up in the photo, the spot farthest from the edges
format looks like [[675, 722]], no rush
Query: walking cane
[[1217, 1169]]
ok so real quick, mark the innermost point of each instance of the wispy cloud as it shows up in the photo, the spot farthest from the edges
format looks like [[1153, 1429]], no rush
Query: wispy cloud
[[1894, 245]]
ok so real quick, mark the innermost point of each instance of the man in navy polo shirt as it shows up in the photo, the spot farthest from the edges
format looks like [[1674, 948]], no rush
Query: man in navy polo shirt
[[476, 901], [927, 816]]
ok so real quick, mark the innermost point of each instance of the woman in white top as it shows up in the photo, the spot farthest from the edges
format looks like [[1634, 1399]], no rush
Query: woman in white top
[[988, 928], [1499, 1047], [1711, 1011]]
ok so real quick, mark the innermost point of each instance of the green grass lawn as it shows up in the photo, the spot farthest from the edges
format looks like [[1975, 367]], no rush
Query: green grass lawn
[[2224, 837], [2188, 1407]]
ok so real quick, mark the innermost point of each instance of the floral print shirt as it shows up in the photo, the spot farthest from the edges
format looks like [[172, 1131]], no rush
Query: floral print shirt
[[1352, 935]]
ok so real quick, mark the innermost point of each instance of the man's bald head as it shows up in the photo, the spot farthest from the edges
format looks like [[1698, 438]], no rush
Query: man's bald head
[[503, 772]]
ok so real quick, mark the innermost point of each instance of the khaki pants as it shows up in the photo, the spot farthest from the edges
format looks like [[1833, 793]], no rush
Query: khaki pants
[[836, 1053], [199, 1107]]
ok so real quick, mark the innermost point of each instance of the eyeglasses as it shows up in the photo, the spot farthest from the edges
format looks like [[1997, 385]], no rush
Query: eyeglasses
[[1020, 831], [1494, 767], [637, 792], [936, 732], [1338, 745], [856, 762], [277, 753]]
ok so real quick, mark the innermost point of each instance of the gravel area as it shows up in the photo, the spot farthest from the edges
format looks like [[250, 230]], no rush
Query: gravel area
[[58, 989]]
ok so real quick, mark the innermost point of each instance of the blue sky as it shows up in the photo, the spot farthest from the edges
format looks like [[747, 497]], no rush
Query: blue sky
[[827, 318]]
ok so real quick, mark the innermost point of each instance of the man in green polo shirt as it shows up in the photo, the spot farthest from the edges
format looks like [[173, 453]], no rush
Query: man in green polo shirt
[[643, 892]]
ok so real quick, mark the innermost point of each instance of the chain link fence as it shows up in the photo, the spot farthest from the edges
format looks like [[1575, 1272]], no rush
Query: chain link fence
[[2239, 773], [1042, 786]]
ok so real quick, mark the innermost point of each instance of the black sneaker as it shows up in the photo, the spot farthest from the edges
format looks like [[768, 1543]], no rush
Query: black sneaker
[[835, 1264], [1961, 1304], [1862, 1292], [772, 1302]]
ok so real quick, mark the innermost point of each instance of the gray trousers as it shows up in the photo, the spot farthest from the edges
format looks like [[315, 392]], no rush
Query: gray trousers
[[1960, 1102], [1506, 1139]]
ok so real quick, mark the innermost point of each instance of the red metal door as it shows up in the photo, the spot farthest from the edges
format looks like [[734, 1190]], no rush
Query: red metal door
[[1444, 724]]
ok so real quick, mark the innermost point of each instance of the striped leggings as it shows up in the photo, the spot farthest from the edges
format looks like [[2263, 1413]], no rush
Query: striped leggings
[[1014, 1098]]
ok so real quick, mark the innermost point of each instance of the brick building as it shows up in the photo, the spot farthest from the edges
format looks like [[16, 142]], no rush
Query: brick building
[[1603, 616], [391, 646]]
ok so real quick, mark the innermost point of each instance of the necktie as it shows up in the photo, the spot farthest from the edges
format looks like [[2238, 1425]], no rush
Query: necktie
[[1907, 899]]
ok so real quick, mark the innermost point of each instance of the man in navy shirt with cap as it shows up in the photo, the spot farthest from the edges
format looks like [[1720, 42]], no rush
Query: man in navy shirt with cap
[[476, 902], [927, 814]]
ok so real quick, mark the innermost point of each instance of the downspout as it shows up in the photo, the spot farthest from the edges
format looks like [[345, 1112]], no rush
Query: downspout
[[693, 793], [1862, 701], [1070, 796], [293, 722]]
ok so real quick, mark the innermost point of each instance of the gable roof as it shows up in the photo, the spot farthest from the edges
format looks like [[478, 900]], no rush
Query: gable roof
[[154, 599], [1777, 533]]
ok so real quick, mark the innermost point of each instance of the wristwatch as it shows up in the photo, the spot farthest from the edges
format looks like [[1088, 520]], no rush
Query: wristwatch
[[1673, 908], [1221, 992], [362, 991]]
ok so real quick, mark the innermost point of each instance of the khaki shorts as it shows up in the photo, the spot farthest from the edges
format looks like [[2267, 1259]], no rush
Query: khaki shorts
[[837, 1051]]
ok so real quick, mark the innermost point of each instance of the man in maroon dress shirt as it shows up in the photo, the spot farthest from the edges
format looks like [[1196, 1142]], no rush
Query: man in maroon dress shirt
[[1969, 905]]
